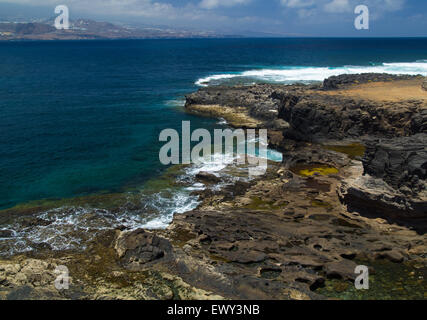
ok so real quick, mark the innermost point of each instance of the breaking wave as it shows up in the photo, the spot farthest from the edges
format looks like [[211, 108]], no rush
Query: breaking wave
[[292, 74], [69, 227]]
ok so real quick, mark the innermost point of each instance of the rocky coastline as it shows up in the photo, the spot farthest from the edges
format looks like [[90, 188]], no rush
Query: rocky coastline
[[393, 132], [351, 190]]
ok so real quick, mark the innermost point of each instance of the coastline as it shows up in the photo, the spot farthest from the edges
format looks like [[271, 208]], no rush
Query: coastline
[[285, 235]]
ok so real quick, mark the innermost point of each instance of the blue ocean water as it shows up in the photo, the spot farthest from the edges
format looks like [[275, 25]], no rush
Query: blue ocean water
[[83, 117]]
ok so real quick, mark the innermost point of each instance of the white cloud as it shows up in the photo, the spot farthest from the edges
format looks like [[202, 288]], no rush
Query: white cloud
[[338, 6], [306, 13], [201, 14], [394, 4], [144, 8], [297, 3], [212, 4], [309, 7], [159, 7]]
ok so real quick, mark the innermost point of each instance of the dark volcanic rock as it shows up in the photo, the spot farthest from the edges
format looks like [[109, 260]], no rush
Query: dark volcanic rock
[[280, 247], [315, 116], [395, 131], [207, 177], [262, 101], [372, 197], [140, 247], [392, 255], [308, 113], [6, 233], [401, 162], [344, 269], [34, 221]]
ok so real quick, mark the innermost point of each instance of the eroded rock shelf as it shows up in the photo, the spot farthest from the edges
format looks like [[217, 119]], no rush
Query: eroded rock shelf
[[351, 190]]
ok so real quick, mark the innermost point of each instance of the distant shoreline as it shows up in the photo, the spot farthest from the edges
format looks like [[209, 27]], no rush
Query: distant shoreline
[[203, 38]]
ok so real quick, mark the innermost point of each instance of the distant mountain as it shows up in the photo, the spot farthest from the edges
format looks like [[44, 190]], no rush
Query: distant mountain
[[24, 29], [89, 29]]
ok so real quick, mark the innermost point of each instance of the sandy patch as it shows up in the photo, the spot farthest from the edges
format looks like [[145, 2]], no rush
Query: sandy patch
[[384, 91]]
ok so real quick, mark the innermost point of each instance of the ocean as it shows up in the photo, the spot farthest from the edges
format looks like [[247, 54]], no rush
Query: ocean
[[82, 118]]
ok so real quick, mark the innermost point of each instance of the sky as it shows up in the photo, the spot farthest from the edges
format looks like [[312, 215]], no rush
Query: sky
[[311, 18]]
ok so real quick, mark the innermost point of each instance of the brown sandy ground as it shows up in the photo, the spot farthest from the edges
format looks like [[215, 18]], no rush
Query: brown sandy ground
[[384, 91]]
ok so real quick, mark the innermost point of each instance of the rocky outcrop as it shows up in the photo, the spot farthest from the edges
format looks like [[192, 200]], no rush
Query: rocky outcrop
[[394, 131], [424, 85], [317, 117], [140, 247], [374, 198], [260, 101], [260, 246], [6, 233], [343, 269], [207, 177], [314, 113], [401, 162], [394, 185], [284, 235]]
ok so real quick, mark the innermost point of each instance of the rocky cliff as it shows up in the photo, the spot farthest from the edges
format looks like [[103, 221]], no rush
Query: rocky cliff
[[318, 116], [387, 114]]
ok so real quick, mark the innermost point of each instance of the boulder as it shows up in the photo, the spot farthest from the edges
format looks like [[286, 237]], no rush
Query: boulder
[[393, 256], [344, 269], [139, 247], [207, 177], [6, 233]]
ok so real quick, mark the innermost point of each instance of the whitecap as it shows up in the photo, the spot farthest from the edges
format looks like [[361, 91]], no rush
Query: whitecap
[[222, 122], [292, 74], [175, 103]]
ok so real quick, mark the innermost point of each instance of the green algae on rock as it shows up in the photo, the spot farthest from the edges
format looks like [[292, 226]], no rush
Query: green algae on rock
[[314, 169], [388, 281], [354, 150]]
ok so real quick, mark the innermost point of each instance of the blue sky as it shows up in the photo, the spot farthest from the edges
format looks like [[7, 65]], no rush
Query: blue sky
[[258, 17]]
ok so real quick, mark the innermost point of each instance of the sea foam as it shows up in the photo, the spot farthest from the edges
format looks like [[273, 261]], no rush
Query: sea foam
[[291, 74]]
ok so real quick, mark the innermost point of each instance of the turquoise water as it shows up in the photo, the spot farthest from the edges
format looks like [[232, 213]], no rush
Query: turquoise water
[[84, 117]]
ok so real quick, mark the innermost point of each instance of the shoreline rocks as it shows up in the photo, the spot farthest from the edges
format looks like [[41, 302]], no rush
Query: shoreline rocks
[[288, 234], [393, 131], [373, 198], [318, 117], [401, 162], [207, 177], [6, 233], [138, 248]]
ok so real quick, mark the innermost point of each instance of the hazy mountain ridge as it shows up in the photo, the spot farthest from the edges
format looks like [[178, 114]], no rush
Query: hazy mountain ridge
[[89, 29]]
